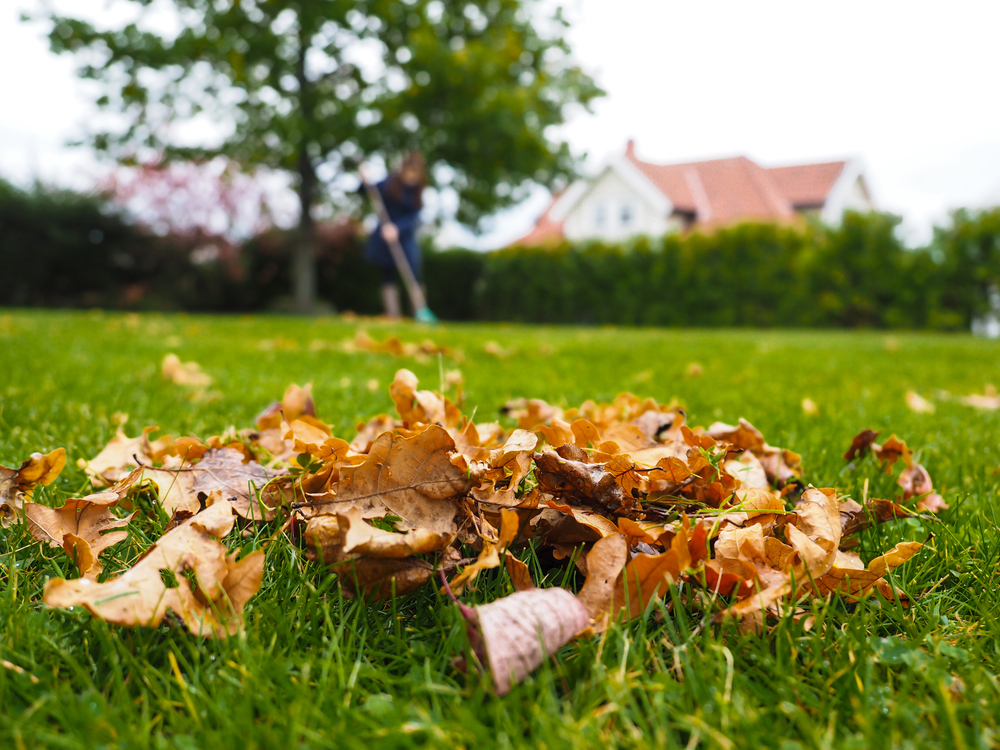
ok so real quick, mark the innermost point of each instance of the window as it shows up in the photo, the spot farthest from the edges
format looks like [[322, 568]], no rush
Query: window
[[600, 215], [627, 214]]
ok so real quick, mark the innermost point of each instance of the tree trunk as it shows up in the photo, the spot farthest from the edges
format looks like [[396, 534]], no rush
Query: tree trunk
[[304, 263]]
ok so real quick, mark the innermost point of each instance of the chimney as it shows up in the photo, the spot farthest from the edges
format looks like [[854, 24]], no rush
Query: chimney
[[630, 149]]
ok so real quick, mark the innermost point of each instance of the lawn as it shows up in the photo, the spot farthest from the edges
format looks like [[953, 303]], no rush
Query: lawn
[[315, 669]]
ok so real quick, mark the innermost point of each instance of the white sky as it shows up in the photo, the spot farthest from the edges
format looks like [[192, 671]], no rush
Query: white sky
[[913, 88]]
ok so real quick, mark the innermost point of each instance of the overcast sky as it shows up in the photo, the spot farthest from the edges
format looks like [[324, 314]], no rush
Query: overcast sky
[[909, 87]]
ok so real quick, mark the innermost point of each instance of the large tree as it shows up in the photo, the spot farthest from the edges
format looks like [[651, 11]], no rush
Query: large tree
[[314, 86]]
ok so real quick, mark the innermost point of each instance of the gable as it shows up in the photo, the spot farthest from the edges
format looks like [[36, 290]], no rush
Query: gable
[[613, 207]]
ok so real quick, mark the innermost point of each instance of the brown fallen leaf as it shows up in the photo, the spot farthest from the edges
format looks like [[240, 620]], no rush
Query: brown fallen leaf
[[578, 482], [890, 451], [296, 402], [118, 458], [334, 539], [411, 478], [415, 407], [489, 558], [988, 400], [505, 466], [604, 564], [647, 576], [519, 574], [855, 583], [383, 578], [184, 373], [184, 486], [915, 480], [16, 485], [860, 444], [85, 526], [212, 607], [816, 530], [918, 403]]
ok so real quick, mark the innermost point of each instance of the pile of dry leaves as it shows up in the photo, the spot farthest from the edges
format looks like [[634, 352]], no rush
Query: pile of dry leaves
[[627, 491]]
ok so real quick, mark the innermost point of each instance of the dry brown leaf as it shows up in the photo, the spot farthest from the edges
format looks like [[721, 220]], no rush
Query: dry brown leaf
[[816, 530], [892, 450], [647, 576], [184, 373], [379, 578], [860, 444], [334, 539], [489, 558], [118, 458], [604, 564], [855, 583], [412, 478], [296, 402], [916, 480], [508, 465], [519, 574], [579, 482], [85, 526], [16, 485], [183, 486], [140, 597], [521, 630], [918, 403], [415, 407]]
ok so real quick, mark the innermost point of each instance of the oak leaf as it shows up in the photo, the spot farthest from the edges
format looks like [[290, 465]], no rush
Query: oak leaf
[[855, 583], [85, 526], [211, 607], [860, 444], [412, 478]]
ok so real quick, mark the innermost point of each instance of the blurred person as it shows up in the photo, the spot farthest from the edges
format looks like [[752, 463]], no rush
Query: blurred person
[[402, 193]]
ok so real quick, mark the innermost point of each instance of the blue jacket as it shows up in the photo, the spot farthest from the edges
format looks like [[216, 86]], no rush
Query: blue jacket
[[405, 214]]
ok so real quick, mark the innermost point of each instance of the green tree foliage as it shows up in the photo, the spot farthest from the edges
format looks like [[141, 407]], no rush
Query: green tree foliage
[[314, 87]]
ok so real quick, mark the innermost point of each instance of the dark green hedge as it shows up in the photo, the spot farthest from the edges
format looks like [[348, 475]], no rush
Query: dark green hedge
[[858, 274], [64, 249]]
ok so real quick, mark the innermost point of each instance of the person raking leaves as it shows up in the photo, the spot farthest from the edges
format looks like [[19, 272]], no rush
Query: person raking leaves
[[393, 245]]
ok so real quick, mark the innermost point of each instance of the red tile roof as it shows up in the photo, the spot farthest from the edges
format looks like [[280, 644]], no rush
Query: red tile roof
[[546, 231], [807, 184], [722, 191]]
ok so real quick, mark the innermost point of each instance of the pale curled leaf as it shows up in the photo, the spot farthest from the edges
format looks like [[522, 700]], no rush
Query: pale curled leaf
[[521, 630]]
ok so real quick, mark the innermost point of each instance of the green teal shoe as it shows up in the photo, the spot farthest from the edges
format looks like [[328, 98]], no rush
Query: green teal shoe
[[424, 315]]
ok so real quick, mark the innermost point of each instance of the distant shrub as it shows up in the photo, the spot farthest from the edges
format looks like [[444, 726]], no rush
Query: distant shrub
[[60, 248]]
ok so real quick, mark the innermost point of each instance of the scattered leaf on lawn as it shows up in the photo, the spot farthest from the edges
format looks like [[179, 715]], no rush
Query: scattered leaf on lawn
[[213, 607], [16, 485]]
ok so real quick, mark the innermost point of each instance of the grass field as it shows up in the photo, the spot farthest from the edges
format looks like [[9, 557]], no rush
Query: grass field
[[317, 670]]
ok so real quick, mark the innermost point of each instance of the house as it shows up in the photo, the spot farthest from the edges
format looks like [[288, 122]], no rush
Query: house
[[630, 197]]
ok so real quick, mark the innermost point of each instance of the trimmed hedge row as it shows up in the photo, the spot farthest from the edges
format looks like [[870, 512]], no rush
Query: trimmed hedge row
[[858, 274], [61, 249]]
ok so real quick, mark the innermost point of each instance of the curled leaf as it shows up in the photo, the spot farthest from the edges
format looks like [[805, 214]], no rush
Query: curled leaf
[[521, 630]]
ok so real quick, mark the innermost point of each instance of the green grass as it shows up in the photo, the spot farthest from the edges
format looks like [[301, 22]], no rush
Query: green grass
[[315, 669]]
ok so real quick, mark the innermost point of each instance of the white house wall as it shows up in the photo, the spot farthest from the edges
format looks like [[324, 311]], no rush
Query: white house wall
[[857, 198], [610, 195]]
